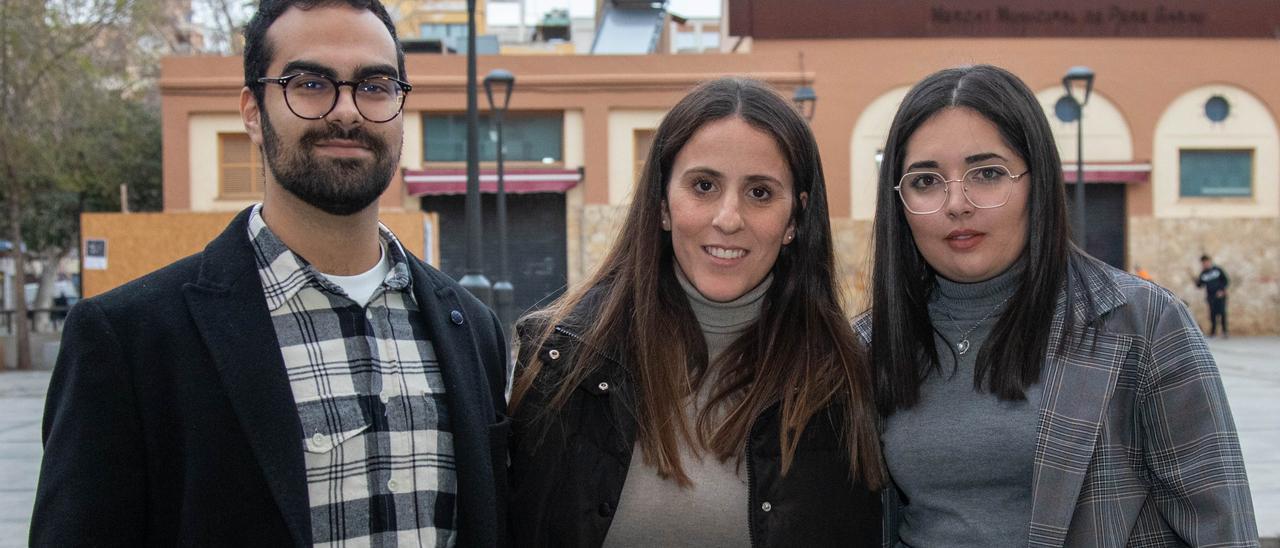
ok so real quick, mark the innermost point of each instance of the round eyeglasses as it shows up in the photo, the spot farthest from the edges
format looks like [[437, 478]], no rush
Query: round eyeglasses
[[985, 187], [313, 96]]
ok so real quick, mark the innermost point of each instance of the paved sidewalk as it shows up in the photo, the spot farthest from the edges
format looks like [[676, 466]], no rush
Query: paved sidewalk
[[21, 406], [1250, 371]]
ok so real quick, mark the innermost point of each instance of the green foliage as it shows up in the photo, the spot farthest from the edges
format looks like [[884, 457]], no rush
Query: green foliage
[[73, 124]]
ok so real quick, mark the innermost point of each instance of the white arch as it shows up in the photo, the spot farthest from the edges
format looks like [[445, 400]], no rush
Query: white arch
[[1106, 133], [1183, 125], [869, 135]]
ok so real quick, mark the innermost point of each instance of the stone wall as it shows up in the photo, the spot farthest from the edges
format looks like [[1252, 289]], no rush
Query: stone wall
[[1247, 249], [600, 225]]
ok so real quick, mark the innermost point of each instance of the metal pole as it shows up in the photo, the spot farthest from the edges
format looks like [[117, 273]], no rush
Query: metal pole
[[1080, 219], [503, 291], [474, 281]]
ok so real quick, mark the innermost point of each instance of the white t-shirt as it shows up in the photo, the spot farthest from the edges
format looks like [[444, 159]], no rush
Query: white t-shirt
[[361, 286]]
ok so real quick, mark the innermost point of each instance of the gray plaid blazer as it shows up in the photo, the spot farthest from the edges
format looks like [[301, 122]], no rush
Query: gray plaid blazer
[[1135, 444]]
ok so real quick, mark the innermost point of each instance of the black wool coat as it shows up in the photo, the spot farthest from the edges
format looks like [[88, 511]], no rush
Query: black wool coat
[[170, 419]]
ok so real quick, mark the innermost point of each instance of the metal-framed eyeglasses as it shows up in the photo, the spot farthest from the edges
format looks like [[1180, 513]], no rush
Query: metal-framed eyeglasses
[[313, 96], [985, 187]]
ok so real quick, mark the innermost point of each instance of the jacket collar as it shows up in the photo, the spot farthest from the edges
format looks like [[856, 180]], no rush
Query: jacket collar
[[1096, 292], [230, 311], [580, 320], [1078, 384]]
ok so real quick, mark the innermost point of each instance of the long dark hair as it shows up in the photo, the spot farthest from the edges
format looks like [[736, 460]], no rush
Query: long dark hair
[[801, 353], [902, 281]]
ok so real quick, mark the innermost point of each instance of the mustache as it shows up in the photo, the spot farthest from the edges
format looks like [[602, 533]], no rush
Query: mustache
[[313, 136]]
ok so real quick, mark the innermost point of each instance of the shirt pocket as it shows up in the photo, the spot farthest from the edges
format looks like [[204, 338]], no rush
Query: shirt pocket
[[330, 424], [335, 449]]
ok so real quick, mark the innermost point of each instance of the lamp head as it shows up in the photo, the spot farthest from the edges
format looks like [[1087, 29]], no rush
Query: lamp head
[[806, 101], [1079, 83], [503, 81]]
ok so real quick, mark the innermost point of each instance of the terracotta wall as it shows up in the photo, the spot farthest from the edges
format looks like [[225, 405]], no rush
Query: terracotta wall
[[1142, 77]]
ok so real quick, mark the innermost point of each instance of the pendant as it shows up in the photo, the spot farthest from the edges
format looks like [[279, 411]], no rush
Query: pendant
[[963, 346]]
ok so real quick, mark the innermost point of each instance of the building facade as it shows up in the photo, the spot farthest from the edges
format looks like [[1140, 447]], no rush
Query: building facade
[[1180, 140]]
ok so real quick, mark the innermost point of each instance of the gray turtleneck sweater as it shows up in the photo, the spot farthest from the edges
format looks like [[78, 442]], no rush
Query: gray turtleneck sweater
[[963, 458], [713, 512]]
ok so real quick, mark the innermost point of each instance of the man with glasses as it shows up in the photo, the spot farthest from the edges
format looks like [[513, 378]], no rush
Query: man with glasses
[[303, 380]]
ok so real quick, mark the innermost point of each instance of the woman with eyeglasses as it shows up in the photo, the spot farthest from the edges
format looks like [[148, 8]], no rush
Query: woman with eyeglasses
[[1031, 394], [703, 387]]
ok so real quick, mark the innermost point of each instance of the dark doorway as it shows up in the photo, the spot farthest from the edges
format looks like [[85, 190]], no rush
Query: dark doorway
[[535, 242], [1105, 220]]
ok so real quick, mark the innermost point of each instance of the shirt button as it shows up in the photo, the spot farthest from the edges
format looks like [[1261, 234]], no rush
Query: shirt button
[[319, 440], [605, 509], [456, 317], [554, 354], [385, 396], [604, 386], [766, 506], [393, 485]]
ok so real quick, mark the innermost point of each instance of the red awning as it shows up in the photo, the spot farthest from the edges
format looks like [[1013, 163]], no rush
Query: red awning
[[1109, 172], [420, 182]]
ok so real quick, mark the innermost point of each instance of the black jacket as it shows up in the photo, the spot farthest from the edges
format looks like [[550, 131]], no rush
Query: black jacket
[[170, 419], [568, 467], [1213, 280]]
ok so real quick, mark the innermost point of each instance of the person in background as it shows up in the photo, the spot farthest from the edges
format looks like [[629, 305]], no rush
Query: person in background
[[304, 380], [1214, 281], [703, 387], [1031, 394]]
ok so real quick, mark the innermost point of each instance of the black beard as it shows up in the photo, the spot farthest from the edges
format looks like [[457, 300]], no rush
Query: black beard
[[337, 186]]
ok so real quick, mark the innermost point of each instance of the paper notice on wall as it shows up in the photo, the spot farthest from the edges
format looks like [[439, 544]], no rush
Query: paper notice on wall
[[95, 254]]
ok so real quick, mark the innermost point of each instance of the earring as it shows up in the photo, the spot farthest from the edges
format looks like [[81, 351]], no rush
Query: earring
[[790, 236], [666, 224]]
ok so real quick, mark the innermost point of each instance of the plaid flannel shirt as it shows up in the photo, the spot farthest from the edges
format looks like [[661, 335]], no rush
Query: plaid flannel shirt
[[369, 392], [1135, 444]]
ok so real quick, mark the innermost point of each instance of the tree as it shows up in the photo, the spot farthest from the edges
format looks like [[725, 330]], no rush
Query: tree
[[57, 80], [106, 141], [223, 22]]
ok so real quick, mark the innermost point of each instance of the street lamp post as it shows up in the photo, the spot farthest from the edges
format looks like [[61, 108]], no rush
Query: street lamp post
[[503, 291], [1079, 77], [474, 280], [805, 99]]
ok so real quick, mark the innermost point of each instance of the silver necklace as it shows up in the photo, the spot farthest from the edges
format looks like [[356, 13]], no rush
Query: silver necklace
[[963, 345]]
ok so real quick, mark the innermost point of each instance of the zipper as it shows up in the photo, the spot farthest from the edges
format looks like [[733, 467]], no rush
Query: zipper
[[568, 333], [578, 339]]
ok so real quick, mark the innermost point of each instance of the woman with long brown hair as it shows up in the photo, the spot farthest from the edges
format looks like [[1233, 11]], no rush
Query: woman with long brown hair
[[703, 387]]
